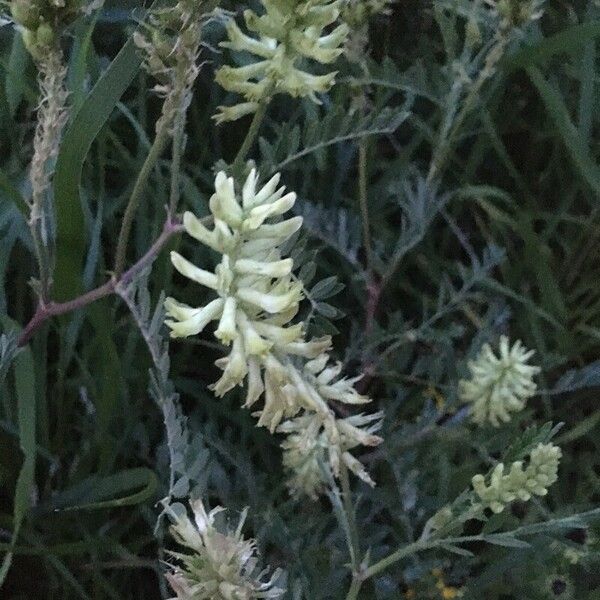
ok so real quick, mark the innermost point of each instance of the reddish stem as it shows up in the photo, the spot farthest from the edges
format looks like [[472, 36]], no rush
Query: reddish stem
[[374, 293], [55, 309], [374, 289]]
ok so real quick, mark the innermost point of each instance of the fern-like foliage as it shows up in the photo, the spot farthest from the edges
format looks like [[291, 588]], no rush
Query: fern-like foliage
[[336, 227], [420, 204], [187, 458], [577, 379], [529, 439], [452, 294], [293, 142], [414, 82]]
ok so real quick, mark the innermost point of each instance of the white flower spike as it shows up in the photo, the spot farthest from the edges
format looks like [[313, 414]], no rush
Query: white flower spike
[[287, 37], [499, 385], [258, 297]]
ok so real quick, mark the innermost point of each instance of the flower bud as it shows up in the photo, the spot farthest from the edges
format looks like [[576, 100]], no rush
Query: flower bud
[[25, 13], [45, 35]]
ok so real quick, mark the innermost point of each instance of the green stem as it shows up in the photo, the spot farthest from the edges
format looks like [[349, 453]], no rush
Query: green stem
[[354, 588], [353, 542], [178, 147], [442, 153], [158, 146], [364, 201], [388, 561], [250, 138]]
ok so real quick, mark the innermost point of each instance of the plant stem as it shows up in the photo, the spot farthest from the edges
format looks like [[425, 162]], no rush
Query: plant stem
[[48, 310], [354, 588], [158, 146], [178, 146], [442, 152], [349, 509], [364, 202], [386, 562], [259, 115], [560, 524]]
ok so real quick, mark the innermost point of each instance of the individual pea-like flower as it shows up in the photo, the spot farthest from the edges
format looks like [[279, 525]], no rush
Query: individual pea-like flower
[[257, 298], [220, 564], [285, 35], [519, 483], [499, 385], [312, 443]]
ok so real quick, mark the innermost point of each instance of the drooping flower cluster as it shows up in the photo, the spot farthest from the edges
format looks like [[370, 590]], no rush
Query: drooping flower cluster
[[170, 44], [287, 33], [499, 385], [309, 447], [222, 565], [258, 297], [519, 483]]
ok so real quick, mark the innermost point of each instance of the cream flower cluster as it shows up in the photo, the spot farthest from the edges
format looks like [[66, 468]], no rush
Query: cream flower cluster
[[499, 385], [312, 443], [222, 565], [288, 32], [257, 299], [519, 483]]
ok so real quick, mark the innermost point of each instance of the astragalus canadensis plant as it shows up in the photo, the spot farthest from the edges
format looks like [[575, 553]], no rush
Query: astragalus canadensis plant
[[179, 224]]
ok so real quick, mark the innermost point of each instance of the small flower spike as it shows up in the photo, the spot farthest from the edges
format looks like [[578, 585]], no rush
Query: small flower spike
[[282, 39], [170, 45], [499, 385], [42, 22], [220, 564], [519, 483]]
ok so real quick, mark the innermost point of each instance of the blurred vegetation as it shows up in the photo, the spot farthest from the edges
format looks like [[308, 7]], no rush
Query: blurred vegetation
[[508, 243]]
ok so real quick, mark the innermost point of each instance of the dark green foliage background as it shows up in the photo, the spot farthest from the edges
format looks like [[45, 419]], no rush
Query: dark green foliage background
[[523, 178]]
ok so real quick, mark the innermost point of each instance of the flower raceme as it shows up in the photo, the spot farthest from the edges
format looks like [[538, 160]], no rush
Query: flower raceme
[[222, 564], [499, 385], [309, 445], [288, 32], [519, 483], [257, 298], [170, 45]]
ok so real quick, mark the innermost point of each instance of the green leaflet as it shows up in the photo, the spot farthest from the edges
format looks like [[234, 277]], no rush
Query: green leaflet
[[15, 78], [13, 193], [572, 139], [25, 390], [564, 41], [126, 488], [87, 123]]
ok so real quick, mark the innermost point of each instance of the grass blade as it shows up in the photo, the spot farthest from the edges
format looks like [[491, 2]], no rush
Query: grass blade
[[25, 389], [87, 123], [572, 139]]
